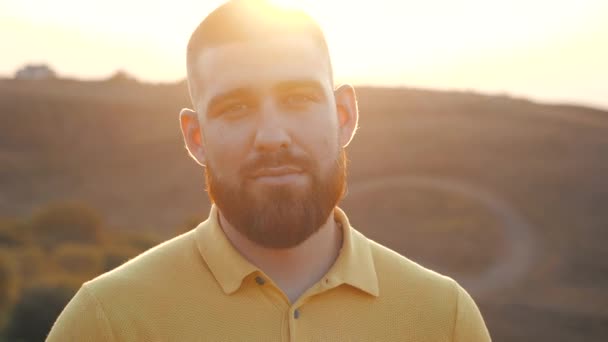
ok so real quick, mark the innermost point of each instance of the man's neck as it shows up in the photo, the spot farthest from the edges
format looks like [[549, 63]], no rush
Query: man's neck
[[294, 269]]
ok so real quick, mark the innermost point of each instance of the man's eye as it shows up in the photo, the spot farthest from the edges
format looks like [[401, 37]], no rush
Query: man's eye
[[235, 108], [298, 99]]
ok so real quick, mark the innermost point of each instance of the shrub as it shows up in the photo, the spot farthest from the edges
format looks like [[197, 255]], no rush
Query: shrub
[[31, 263], [66, 222], [83, 261], [9, 287], [34, 314], [13, 233]]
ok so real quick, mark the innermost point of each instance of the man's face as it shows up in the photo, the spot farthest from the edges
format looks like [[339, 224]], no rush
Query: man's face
[[275, 166]]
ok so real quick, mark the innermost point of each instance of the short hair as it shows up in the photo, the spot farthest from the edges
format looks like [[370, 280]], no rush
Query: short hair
[[244, 20]]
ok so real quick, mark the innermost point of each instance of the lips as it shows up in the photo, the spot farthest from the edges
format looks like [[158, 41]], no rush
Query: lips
[[276, 171]]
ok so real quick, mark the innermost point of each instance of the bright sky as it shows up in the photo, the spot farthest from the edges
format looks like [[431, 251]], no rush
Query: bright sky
[[551, 50]]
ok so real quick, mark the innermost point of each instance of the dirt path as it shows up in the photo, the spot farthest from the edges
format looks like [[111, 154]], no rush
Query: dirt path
[[519, 237]]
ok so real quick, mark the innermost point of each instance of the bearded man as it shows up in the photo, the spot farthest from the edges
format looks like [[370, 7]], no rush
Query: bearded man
[[276, 260]]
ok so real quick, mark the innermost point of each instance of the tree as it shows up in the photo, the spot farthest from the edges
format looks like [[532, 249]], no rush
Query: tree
[[121, 76], [35, 72]]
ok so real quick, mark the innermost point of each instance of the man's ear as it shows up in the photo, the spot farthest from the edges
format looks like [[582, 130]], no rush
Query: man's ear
[[348, 114], [191, 130]]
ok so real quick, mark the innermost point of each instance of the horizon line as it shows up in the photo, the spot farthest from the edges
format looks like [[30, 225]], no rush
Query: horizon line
[[374, 85]]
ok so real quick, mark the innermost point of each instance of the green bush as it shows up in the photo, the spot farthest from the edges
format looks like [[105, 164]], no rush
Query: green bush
[[9, 285], [66, 222], [83, 261], [13, 233], [31, 262], [34, 314]]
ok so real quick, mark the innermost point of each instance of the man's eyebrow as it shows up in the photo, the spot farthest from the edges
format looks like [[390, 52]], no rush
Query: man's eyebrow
[[296, 84], [234, 93]]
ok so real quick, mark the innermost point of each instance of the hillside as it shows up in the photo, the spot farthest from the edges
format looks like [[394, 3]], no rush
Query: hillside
[[505, 195]]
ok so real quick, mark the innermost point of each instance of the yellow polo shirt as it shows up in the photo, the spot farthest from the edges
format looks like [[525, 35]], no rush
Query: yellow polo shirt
[[197, 287]]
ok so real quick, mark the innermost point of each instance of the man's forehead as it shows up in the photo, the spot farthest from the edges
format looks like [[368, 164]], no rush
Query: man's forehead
[[260, 63]]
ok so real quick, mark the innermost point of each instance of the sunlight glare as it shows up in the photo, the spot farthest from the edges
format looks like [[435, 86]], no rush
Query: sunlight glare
[[287, 3], [490, 45]]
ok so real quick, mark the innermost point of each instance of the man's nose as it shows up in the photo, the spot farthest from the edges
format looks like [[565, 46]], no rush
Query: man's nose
[[271, 134]]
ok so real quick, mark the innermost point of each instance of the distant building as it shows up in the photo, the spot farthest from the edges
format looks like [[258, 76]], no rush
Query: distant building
[[35, 72]]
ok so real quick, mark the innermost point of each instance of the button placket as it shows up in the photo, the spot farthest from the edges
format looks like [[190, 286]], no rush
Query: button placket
[[293, 319]]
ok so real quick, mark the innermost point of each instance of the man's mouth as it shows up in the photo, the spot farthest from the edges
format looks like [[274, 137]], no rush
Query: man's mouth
[[276, 171], [278, 175]]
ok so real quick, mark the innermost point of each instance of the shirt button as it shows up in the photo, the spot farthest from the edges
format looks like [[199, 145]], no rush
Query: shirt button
[[259, 280], [296, 314]]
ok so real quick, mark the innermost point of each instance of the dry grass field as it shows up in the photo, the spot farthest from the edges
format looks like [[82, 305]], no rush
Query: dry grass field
[[508, 196]]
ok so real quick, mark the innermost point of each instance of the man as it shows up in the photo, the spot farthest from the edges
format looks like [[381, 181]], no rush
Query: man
[[276, 260]]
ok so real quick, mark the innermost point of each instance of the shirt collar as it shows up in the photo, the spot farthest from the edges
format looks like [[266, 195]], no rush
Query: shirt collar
[[354, 265]]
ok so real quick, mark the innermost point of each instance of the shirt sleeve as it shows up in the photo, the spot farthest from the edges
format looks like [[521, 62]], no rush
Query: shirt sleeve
[[469, 325], [83, 319]]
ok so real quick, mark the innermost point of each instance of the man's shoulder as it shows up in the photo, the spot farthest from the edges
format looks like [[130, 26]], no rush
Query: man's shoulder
[[156, 266], [430, 299], [134, 297], [398, 273]]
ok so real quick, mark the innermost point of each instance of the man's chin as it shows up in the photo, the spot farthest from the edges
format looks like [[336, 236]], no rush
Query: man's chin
[[273, 194]]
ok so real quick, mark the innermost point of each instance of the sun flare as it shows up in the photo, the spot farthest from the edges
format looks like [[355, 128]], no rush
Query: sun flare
[[545, 48]]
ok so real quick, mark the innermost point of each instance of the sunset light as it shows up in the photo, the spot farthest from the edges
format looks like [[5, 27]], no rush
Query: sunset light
[[545, 49], [446, 183]]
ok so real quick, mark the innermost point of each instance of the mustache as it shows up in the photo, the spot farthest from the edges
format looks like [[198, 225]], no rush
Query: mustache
[[275, 159]]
